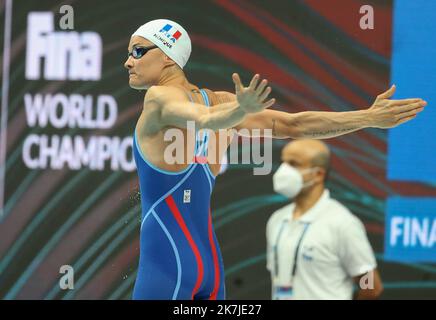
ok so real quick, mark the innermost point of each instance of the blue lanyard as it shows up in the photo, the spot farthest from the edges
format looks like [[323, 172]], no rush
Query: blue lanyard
[[297, 249]]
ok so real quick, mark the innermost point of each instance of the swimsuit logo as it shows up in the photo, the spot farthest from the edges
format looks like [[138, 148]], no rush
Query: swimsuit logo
[[186, 196], [172, 36]]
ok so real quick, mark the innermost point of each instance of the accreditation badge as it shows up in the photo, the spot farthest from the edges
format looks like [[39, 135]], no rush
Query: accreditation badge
[[282, 293]]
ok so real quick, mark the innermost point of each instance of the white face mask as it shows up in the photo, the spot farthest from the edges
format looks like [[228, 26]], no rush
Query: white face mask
[[288, 181]]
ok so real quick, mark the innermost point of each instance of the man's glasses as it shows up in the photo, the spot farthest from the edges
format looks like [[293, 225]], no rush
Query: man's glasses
[[138, 52]]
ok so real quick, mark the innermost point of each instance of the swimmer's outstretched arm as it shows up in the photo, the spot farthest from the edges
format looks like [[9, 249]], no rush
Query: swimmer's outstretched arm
[[166, 111], [384, 113]]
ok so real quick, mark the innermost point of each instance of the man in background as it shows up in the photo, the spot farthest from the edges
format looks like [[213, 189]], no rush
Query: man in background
[[316, 248]]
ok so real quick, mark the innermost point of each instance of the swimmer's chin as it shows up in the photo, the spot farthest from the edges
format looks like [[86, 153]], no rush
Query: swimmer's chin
[[139, 87]]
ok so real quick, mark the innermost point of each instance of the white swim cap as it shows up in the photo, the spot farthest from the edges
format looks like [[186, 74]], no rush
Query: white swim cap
[[170, 37]]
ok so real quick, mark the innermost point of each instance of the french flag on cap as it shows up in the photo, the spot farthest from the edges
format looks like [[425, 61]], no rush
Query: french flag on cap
[[176, 35]]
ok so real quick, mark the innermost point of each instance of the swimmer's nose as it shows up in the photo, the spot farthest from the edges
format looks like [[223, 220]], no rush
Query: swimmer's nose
[[128, 64]]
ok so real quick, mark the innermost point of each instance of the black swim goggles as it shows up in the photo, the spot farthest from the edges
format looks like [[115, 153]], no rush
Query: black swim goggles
[[138, 52]]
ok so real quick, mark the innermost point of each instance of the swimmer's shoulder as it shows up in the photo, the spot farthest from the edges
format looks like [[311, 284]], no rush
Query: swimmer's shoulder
[[155, 99], [164, 94], [170, 93]]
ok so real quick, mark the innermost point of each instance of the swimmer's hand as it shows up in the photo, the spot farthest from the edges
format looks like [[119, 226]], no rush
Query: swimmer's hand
[[385, 113], [251, 99]]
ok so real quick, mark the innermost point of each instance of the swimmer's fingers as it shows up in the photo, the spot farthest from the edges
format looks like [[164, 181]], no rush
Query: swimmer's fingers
[[410, 113], [387, 94], [409, 107], [260, 89], [269, 103], [238, 83], [403, 101], [253, 82], [265, 94], [402, 120]]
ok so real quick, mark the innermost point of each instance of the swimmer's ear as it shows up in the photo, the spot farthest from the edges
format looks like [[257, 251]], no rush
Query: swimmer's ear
[[168, 61]]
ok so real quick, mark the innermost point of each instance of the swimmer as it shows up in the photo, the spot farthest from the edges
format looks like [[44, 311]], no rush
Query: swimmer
[[179, 253]]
